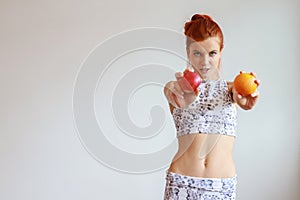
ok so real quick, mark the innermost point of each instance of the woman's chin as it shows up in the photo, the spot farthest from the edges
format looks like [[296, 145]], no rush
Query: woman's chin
[[209, 76], [204, 74]]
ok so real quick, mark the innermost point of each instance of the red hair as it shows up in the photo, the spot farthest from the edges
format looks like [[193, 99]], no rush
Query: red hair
[[201, 27]]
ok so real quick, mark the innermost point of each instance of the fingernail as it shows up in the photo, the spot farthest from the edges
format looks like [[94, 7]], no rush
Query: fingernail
[[254, 94], [181, 97]]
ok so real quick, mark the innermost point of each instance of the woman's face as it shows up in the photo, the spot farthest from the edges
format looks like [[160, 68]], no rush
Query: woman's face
[[205, 57]]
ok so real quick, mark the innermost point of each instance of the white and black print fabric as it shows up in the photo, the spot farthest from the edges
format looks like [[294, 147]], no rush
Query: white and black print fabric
[[213, 111], [181, 187]]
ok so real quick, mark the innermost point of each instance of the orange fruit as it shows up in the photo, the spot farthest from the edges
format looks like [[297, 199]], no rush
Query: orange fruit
[[245, 84]]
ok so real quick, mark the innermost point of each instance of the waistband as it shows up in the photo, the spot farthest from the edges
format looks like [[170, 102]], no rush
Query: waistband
[[213, 184]]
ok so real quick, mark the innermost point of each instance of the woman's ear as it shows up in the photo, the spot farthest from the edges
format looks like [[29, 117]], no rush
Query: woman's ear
[[189, 64], [188, 53]]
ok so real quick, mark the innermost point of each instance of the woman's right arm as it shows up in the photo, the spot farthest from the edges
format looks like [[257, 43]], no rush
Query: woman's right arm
[[176, 96], [172, 94]]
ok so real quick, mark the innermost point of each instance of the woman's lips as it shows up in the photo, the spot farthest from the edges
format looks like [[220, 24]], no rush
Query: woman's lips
[[204, 71]]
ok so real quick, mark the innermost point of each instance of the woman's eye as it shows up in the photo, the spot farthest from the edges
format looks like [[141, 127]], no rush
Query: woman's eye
[[197, 53], [213, 53]]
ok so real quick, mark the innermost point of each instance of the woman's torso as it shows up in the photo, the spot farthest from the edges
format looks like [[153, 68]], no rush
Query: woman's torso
[[206, 154]]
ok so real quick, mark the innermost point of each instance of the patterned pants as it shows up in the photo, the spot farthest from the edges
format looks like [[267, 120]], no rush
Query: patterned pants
[[181, 187]]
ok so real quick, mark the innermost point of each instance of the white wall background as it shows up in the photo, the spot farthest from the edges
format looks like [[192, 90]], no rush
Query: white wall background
[[43, 44]]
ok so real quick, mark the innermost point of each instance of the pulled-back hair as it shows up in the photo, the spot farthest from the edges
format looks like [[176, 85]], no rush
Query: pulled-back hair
[[201, 27]]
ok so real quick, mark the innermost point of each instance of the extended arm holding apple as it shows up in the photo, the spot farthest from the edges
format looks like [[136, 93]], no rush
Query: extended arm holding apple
[[180, 93]]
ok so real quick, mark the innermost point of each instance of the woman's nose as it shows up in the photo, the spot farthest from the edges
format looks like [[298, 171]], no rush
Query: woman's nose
[[205, 60]]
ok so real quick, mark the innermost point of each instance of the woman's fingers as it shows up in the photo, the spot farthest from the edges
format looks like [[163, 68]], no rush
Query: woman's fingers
[[257, 82], [174, 94], [176, 100], [255, 94], [180, 93], [184, 84], [178, 75], [253, 74], [177, 89]]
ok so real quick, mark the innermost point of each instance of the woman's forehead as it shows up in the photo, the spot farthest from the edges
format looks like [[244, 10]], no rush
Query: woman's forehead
[[211, 43]]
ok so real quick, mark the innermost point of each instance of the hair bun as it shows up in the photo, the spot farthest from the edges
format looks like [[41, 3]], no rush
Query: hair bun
[[201, 27], [198, 16]]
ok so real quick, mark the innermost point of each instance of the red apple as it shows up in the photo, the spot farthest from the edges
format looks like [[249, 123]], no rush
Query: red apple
[[190, 81]]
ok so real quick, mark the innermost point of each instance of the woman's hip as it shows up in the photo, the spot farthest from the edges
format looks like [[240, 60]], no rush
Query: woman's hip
[[180, 186]]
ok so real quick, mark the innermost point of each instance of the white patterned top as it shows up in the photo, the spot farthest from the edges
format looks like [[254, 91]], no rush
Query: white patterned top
[[213, 111]]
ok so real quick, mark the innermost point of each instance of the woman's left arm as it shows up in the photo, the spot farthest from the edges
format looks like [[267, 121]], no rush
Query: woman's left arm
[[245, 102]]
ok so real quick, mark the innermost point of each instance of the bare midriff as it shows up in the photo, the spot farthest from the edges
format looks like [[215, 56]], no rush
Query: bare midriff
[[204, 155]]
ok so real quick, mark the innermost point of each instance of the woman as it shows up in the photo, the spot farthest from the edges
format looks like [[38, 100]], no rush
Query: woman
[[205, 120]]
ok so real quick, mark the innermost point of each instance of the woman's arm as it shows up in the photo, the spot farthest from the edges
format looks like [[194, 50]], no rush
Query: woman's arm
[[169, 92], [245, 102], [176, 96]]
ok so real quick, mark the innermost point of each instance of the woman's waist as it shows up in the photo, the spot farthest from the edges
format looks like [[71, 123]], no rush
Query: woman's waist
[[208, 166], [209, 160], [209, 171]]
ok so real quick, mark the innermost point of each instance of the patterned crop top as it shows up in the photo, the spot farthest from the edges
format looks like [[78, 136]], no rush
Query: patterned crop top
[[213, 111]]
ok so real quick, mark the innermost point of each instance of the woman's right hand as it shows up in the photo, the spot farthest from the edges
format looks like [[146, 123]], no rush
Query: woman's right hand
[[179, 93]]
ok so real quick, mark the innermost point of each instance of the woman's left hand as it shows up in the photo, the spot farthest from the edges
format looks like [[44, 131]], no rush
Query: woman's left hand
[[249, 101]]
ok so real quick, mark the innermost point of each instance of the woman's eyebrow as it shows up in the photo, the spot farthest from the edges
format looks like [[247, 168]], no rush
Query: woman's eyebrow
[[194, 50]]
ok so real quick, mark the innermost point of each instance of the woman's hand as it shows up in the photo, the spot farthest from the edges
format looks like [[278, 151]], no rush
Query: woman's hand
[[179, 93], [249, 101]]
